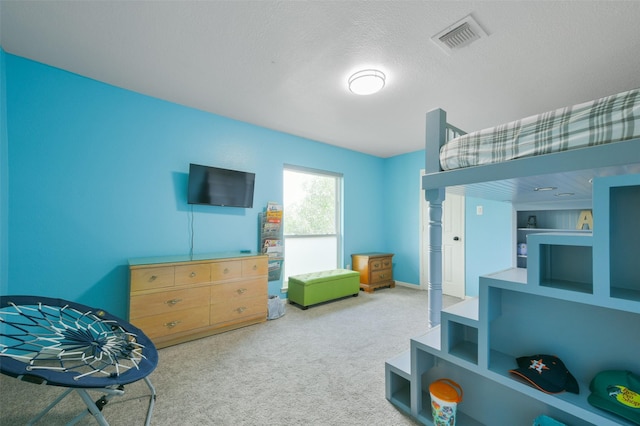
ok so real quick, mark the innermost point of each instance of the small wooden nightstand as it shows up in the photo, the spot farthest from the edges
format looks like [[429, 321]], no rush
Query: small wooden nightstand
[[376, 270]]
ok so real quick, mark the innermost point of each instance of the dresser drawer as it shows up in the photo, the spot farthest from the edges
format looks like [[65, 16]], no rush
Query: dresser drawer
[[238, 290], [152, 278], [254, 267], [381, 276], [193, 274], [173, 322], [226, 270], [145, 305], [236, 310]]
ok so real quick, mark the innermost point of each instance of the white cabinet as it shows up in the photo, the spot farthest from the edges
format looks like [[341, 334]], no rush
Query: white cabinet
[[578, 299]]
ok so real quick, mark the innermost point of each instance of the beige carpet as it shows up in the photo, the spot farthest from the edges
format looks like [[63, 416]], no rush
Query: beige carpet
[[322, 366]]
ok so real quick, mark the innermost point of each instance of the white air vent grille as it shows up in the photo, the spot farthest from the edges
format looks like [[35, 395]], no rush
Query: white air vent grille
[[459, 35]]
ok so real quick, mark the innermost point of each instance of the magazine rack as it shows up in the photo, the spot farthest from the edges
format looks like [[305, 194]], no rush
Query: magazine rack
[[271, 238]]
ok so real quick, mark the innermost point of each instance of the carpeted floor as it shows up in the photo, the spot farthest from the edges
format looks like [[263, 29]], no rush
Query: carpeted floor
[[322, 366]]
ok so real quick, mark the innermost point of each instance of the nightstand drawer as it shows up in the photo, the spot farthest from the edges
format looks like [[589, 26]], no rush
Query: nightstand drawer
[[380, 276], [377, 264], [386, 263]]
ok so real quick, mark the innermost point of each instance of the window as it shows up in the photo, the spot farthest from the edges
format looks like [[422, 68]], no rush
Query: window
[[312, 221]]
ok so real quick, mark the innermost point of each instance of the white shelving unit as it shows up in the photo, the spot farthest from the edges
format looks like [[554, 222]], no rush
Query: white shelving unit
[[579, 299]]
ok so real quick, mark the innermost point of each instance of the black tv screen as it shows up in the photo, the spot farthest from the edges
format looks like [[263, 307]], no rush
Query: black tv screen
[[220, 187]]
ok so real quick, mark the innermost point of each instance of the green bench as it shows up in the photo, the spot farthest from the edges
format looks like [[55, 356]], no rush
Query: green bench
[[317, 287]]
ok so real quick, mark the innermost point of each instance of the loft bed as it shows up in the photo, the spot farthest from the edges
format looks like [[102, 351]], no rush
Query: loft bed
[[562, 149]]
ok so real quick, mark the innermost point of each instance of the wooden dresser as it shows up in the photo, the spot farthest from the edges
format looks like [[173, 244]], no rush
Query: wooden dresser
[[376, 270], [176, 299]]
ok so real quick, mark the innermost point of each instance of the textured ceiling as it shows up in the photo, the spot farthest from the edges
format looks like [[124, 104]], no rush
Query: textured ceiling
[[284, 65]]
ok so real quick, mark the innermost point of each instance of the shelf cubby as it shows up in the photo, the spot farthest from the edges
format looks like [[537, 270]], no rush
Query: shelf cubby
[[624, 237], [460, 323], [561, 260], [398, 377]]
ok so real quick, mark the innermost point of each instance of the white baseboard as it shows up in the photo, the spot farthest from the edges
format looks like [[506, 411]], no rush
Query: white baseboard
[[409, 285]]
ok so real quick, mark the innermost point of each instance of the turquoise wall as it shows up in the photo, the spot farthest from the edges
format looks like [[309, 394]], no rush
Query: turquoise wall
[[98, 175], [401, 204], [493, 226]]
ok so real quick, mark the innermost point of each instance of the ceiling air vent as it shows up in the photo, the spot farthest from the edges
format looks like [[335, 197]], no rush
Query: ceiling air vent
[[459, 35]]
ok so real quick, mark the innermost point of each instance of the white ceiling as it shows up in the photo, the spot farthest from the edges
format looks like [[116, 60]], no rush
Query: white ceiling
[[284, 65]]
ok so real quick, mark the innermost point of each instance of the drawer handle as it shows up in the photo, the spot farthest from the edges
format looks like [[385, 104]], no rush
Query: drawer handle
[[241, 309], [255, 267], [226, 271], [173, 301], [241, 290], [193, 274], [171, 324], [383, 275], [375, 265], [152, 278]]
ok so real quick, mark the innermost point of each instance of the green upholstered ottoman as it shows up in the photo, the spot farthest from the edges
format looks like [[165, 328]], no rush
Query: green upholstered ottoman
[[317, 287]]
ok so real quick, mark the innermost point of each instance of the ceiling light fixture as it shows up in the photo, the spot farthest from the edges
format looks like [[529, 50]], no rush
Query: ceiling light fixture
[[366, 82], [545, 188]]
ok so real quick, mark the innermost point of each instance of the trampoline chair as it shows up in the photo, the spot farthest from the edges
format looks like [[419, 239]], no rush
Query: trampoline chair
[[60, 343]]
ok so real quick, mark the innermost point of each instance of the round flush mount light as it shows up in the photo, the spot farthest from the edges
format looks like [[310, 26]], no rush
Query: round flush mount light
[[366, 82]]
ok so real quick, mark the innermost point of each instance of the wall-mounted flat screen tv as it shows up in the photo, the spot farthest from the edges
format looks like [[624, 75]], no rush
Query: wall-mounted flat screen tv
[[220, 187]]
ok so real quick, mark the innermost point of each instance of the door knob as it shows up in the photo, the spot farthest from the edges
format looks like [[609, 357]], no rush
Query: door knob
[[456, 238]]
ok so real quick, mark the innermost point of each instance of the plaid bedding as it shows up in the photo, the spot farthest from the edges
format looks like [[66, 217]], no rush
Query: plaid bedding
[[610, 119]]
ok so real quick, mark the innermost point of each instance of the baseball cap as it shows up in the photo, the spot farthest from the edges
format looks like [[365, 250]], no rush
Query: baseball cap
[[617, 391], [546, 373]]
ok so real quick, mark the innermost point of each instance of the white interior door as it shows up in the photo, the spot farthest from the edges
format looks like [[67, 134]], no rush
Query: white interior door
[[453, 268]]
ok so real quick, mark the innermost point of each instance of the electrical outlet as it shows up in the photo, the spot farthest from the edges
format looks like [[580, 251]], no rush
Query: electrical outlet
[[479, 210]]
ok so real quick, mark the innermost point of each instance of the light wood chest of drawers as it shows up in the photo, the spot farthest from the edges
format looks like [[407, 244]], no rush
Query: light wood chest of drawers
[[376, 270], [174, 300]]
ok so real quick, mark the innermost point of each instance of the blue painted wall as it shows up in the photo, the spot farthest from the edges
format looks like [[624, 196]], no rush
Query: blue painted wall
[[401, 204], [93, 175], [494, 225], [98, 175]]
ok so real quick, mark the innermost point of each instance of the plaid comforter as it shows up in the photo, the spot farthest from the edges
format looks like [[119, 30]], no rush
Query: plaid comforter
[[610, 119]]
